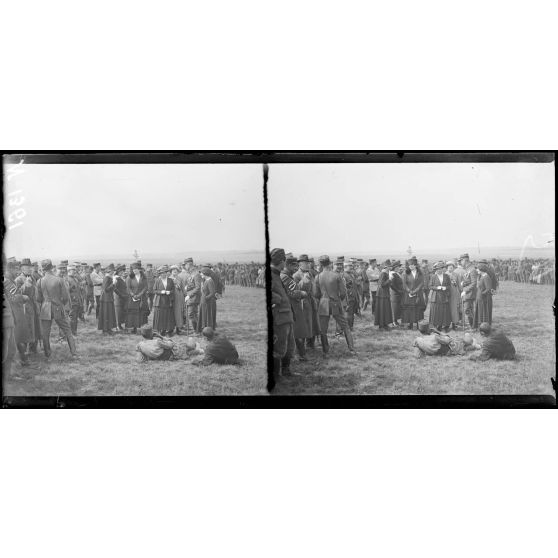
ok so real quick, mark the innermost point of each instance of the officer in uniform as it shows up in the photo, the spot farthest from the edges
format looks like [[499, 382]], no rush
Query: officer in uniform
[[330, 290], [304, 279], [193, 292], [352, 293], [468, 287], [283, 334], [53, 296], [28, 328], [76, 299]]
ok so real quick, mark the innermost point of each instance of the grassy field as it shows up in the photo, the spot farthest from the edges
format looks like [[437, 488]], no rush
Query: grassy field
[[385, 365], [110, 366]]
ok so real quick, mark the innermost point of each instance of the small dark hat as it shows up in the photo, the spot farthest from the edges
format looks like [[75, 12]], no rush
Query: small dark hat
[[413, 261], [339, 261], [26, 261], [342, 258], [96, 264], [110, 267], [386, 263], [136, 266], [303, 258], [277, 255], [149, 265], [465, 255], [372, 260], [120, 268], [64, 262], [324, 260], [83, 263], [395, 264], [483, 267], [289, 258], [189, 260], [46, 264], [483, 261]]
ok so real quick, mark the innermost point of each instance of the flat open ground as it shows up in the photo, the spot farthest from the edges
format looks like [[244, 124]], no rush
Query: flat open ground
[[109, 365], [385, 364]]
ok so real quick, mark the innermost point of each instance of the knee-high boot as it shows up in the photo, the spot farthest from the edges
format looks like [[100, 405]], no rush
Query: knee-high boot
[[349, 338], [286, 366], [301, 349], [72, 344], [325, 344]]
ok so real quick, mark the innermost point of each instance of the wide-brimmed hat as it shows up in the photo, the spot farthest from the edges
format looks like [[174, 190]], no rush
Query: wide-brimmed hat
[[26, 261], [324, 260], [110, 267], [96, 264], [46, 264], [303, 258], [463, 256], [372, 260], [174, 267], [395, 264], [189, 260], [438, 265], [412, 260], [289, 258], [120, 268]]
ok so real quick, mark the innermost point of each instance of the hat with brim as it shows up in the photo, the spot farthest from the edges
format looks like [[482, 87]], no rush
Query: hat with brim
[[46, 264], [110, 267], [450, 262], [26, 261], [464, 256], [120, 268], [303, 258], [174, 267], [96, 264], [83, 263], [347, 264], [290, 259], [438, 265], [412, 261], [189, 261], [395, 264], [324, 260], [71, 268]]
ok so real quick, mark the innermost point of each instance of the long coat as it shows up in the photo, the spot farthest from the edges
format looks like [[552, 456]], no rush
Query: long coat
[[305, 281], [26, 311], [280, 304], [483, 303], [107, 313], [383, 316], [439, 300], [455, 297], [208, 305], [395, 295], [413, 303], [295, 294], [163, 313], [178, 306], [121, 298], [138, 307]]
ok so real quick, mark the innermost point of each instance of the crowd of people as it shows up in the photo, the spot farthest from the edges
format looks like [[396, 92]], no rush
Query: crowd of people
[[181, 298], [458, 294]]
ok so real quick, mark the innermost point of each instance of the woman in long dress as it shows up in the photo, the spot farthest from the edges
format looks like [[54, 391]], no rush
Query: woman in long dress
[[163, 315], [120, 297], [396, 292], [454, 294], [439, 298], [138, 304], [483, 303], [179, 294], [413, 297], [383, 315], [107, 314], [208, 302]]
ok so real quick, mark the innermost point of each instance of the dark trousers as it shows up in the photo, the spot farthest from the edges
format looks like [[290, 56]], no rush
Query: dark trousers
[[352, 309], [75, 312], [193, 311], [97, 305], [341, 322], [373, 293], [64, 326]]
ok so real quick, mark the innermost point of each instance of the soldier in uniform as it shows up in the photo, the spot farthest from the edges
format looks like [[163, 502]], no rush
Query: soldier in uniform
[[350, 281], [89, 296], [97, 280], [373, 274], [283, 334], [76, 301], [53, 295], [304, 279], [193, 292], [36, 273], [28, 330], [330, 290], [468, 287], [297, 296], [9, 347], [425, 270], [496, 345]]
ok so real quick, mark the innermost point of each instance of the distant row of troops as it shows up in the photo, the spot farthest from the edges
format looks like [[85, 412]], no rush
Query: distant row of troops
[[32, 299], [305, 297]]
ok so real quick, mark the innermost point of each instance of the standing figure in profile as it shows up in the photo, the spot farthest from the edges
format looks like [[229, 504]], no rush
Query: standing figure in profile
[[440, 286], [413, 297], [483, 302], [107, 313], [208, 303], [383, 316]]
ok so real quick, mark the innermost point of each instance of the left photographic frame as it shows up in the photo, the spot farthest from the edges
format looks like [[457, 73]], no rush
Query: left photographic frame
[[133, 275]]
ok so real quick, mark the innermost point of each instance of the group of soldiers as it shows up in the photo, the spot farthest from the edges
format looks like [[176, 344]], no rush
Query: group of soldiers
[[527, 270], [181, 297], [244, 275], [305, 294]]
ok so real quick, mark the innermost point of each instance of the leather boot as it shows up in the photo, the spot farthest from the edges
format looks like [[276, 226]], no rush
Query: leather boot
[[325, 344], [21, 348], [72, 344], [286, 366], [349, 338], [301, 349], [271, 377]]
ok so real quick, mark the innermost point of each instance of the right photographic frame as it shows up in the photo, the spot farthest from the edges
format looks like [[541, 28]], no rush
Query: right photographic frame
[[412, 274]]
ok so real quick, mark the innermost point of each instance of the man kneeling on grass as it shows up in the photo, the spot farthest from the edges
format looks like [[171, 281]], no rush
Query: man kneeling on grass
[[157, 347], [219, 350], [434, 343], [495, 344]]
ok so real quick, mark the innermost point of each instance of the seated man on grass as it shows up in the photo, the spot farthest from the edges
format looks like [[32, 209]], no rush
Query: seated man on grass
[[155, 346], [495, 345], [219, 350]]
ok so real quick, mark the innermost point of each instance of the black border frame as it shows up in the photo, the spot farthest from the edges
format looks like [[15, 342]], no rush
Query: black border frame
[[265, 158]]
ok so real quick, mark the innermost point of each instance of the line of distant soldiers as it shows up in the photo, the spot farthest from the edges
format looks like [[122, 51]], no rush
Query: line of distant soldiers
[[244, 275], [122, 297], [304, 296], [536, 271]]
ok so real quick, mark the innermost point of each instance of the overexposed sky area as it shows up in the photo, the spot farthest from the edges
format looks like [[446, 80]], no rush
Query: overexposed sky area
[[378, 208], [114, 209]]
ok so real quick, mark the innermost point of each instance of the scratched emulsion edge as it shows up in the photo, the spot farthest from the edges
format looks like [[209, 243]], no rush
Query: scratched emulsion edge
[[270, 377]]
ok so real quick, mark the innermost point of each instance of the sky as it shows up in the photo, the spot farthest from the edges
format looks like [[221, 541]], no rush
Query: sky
[[116, 209], [382, 208]]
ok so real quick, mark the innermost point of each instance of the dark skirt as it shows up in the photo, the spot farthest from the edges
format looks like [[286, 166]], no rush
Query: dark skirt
[[120, 305], [483, 311], [163, 319], [382, 315], [413, 308], [207, 315], [107, 316], [395, 302], [440, 314], [136, 314]]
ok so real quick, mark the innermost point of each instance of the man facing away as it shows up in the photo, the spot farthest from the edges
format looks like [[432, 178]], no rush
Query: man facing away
[[97, 280], [330, 290]]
